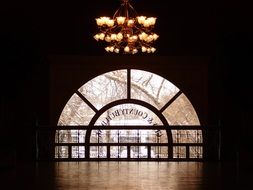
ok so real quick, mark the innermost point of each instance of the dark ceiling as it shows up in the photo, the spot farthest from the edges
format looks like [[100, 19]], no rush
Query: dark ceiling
[[32, 30], [185, 27]]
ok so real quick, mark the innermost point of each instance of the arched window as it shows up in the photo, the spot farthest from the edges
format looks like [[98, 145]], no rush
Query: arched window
[[128, 114]]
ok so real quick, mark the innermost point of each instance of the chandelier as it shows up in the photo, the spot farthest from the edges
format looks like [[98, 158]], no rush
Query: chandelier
[[126, 32]]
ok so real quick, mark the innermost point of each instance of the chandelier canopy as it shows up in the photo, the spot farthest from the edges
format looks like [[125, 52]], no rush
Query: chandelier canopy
[[126, 32]]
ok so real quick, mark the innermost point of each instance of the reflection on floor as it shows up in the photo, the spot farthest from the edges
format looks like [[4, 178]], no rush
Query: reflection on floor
[[124, 175]]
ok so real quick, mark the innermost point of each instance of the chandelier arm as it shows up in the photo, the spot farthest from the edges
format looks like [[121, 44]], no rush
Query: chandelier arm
[[121, 42], [107, 30], [142, 30], [118, 10], [134, 11], [146, 44], [114, 44], [103, 31], [146, 30], [138, 45], [126, 4]]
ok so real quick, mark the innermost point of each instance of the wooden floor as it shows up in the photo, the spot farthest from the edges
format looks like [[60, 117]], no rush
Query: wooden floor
[[125, 175]]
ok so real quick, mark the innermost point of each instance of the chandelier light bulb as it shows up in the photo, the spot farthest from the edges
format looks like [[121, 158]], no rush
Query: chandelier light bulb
[[143, 49], [141, 19], [116, 50], [96, 37], [130, 23], [127, 32], [127, 49], [119, 36], [135, 51], [155, 36], [153, 49], [101, 36], [111, 49], [120, 20], [113, 37], [108, 38]]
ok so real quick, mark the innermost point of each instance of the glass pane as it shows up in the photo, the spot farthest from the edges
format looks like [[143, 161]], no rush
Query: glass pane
[[81, 137], [76, 112], [118, 152], [138, 152], [97, 136], [70, 136], [78, 152], [187, 136], [106, 88], [128, 114], [196, 152], [98, 151], [111, 136], [143, 152], [159, 136], [143, 136], [61, 152], [134, 151], [122, 152], [151, 88], [181, 112], [128, 136], [114, 152], [104, 136], [179, 152], [159, 152]]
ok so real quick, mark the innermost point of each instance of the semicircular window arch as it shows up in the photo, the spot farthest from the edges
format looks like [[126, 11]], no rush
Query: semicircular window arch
[[144, 86], [164, 101]]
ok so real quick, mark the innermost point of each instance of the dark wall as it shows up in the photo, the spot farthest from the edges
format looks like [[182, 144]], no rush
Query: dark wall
[[31, 31]]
